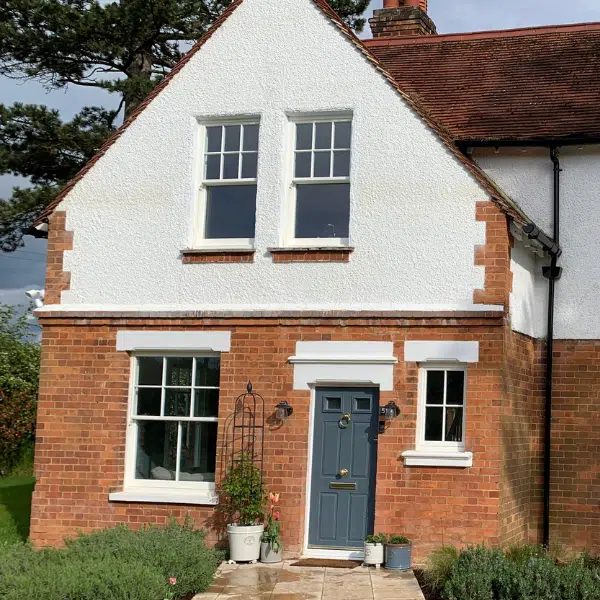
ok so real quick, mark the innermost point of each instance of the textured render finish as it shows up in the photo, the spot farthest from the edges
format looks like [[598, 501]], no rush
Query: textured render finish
[[529, 296], [527, 177], [412, 203]]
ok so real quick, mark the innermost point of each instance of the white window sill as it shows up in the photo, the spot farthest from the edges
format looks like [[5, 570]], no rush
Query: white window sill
[[201, 497], [437, 458]]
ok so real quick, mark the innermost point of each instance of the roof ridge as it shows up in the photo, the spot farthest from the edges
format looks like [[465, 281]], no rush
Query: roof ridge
[[486, 34]]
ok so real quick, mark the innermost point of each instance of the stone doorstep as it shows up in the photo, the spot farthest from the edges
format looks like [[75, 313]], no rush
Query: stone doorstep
[[284, 582]]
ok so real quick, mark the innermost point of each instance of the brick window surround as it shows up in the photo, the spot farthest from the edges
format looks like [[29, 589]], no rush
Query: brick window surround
[[311, 254], [217, 255]]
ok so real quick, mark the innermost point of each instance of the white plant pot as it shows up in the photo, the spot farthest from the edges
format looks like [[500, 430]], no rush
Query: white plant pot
[[373, 554], [244, 542]]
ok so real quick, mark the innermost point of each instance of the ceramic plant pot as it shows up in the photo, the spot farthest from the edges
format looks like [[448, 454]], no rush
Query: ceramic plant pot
[[268, 555], [373, 554], [397, 557], [244, 542]]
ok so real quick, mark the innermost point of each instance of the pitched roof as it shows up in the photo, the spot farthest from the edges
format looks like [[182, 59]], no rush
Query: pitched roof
[[504, 202], [521, 85]]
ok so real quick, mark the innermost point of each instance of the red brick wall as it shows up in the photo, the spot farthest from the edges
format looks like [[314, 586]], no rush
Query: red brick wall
[[522, 440], [575, 484], [83, 405]]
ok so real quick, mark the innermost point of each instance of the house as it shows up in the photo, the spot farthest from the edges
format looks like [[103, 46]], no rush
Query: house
[[348, 225]]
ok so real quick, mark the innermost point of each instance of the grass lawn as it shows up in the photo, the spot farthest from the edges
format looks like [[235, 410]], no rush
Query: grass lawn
[[15, 508]]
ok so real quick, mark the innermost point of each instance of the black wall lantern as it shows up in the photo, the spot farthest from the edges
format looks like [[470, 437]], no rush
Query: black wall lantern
[[387, 413], [283, 410]]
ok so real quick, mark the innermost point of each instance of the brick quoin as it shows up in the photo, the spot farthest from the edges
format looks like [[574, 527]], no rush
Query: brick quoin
[[494, 256], [59, 240]]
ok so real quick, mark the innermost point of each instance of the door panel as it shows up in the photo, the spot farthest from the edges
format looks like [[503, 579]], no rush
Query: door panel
[[342, 505]]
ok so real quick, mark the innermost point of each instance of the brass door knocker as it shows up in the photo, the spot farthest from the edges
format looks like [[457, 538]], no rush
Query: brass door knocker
[[345, 421]]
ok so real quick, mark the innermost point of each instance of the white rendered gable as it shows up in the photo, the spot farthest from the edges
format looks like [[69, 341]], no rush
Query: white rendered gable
[[412, 220]]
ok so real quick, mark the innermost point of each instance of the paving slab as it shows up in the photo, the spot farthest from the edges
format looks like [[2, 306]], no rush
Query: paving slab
[[284, 582]]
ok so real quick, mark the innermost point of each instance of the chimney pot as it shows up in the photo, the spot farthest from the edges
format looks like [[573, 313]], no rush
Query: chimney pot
[[391, 3]]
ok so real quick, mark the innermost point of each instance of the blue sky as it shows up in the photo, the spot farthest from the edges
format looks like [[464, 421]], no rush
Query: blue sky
[[24, 269]]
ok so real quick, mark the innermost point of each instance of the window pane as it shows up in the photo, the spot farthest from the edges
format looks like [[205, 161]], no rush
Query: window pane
[[208, 371], [303, 164], [214, 139], [156, 450], [342, 134], [178, 403], [213, 166], [249, 163], [454, 419], [232, 138], [433, 424], [363, 404], [148, 402], [230, 166], [322, 210], [251, 137], [150, 370], [341, 164], [455, 394], [304, 136], [206, 403], [333, 404], [198, 452], [323, 135], [322, 164], [230, 211], [179, 371], [435, 387]]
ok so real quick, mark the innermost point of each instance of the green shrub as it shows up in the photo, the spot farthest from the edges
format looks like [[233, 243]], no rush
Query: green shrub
[[523, 573], [520, 555], [474, 574], [438, 568], [380, 538], [398, 539], [114, 564]]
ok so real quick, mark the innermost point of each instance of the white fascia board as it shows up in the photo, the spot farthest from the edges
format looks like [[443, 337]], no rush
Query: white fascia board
[[433, 458], [346, 363], [208, 341], [431, 351]]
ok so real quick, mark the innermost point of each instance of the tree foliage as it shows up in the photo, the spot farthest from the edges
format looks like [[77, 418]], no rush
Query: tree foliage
[[19, 373], [124, 47]]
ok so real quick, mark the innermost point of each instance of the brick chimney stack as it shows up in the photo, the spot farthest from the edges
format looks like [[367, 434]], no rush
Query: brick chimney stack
[[402, 17]]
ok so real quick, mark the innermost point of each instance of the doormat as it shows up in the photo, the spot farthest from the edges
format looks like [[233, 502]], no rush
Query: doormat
[[324, 562]]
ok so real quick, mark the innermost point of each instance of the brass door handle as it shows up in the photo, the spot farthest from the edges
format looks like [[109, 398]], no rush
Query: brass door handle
[[343, 472]]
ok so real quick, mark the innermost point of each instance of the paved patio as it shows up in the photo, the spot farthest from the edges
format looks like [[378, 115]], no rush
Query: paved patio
[[284, 582]]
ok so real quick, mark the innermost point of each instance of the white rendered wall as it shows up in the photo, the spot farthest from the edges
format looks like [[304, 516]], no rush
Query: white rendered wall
[[526, 174], [412, 202]]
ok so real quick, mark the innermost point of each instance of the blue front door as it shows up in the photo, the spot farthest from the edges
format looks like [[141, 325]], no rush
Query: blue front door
[[342, 497]]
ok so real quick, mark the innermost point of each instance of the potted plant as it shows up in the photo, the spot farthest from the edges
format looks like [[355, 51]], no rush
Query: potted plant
[[397, 553], [242, 501], [374, 545], [271, 547]]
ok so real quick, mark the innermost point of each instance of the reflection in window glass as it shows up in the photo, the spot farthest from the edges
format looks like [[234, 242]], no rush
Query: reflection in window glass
[[444, 405], [230, 211], [176, 421], [322, 210]]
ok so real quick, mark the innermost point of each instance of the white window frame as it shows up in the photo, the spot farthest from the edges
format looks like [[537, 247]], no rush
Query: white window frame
[[421, 443], [289, 229], [155, 485], [199, 240]]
